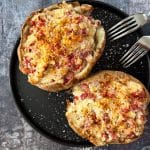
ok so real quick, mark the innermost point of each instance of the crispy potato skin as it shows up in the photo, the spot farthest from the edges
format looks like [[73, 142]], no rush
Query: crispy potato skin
[[101, 77], [54, 87]]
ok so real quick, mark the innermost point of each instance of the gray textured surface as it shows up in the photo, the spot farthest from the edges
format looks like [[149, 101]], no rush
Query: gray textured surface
[[15, 133]]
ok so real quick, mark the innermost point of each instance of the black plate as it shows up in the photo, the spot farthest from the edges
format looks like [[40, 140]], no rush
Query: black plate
[[46, 111]]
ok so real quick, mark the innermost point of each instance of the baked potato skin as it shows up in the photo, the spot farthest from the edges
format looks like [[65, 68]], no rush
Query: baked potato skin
[[55, 87], [71, 115]]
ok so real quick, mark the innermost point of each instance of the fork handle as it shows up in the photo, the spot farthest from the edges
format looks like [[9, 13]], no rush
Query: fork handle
[[148, 17]]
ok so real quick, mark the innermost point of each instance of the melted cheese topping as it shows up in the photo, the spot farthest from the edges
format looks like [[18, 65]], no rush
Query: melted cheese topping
[[108, 111], [58, 42]]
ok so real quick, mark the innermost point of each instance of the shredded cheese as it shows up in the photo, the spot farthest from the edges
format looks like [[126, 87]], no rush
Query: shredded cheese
[[57, 34]]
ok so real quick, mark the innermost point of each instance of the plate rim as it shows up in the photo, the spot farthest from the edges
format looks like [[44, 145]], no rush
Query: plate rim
[[15, 97]]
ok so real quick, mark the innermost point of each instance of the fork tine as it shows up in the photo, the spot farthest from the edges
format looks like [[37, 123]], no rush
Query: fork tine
[[119, 23], [137, 58], [133, 56], [133, 52], [129, 51], [123, 34], [121, 26], [124, 30]]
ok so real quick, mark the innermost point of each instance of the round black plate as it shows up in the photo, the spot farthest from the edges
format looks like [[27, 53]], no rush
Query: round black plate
[[46, 111]]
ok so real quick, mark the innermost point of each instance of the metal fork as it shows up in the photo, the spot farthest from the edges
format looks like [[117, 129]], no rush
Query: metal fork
[[138, 50], [128, 25]]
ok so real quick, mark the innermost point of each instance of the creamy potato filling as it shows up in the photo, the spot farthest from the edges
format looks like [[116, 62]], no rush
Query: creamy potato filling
[[58, 42], [108, 110]]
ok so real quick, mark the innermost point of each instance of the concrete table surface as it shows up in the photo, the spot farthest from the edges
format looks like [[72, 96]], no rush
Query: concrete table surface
[[15, 132]]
